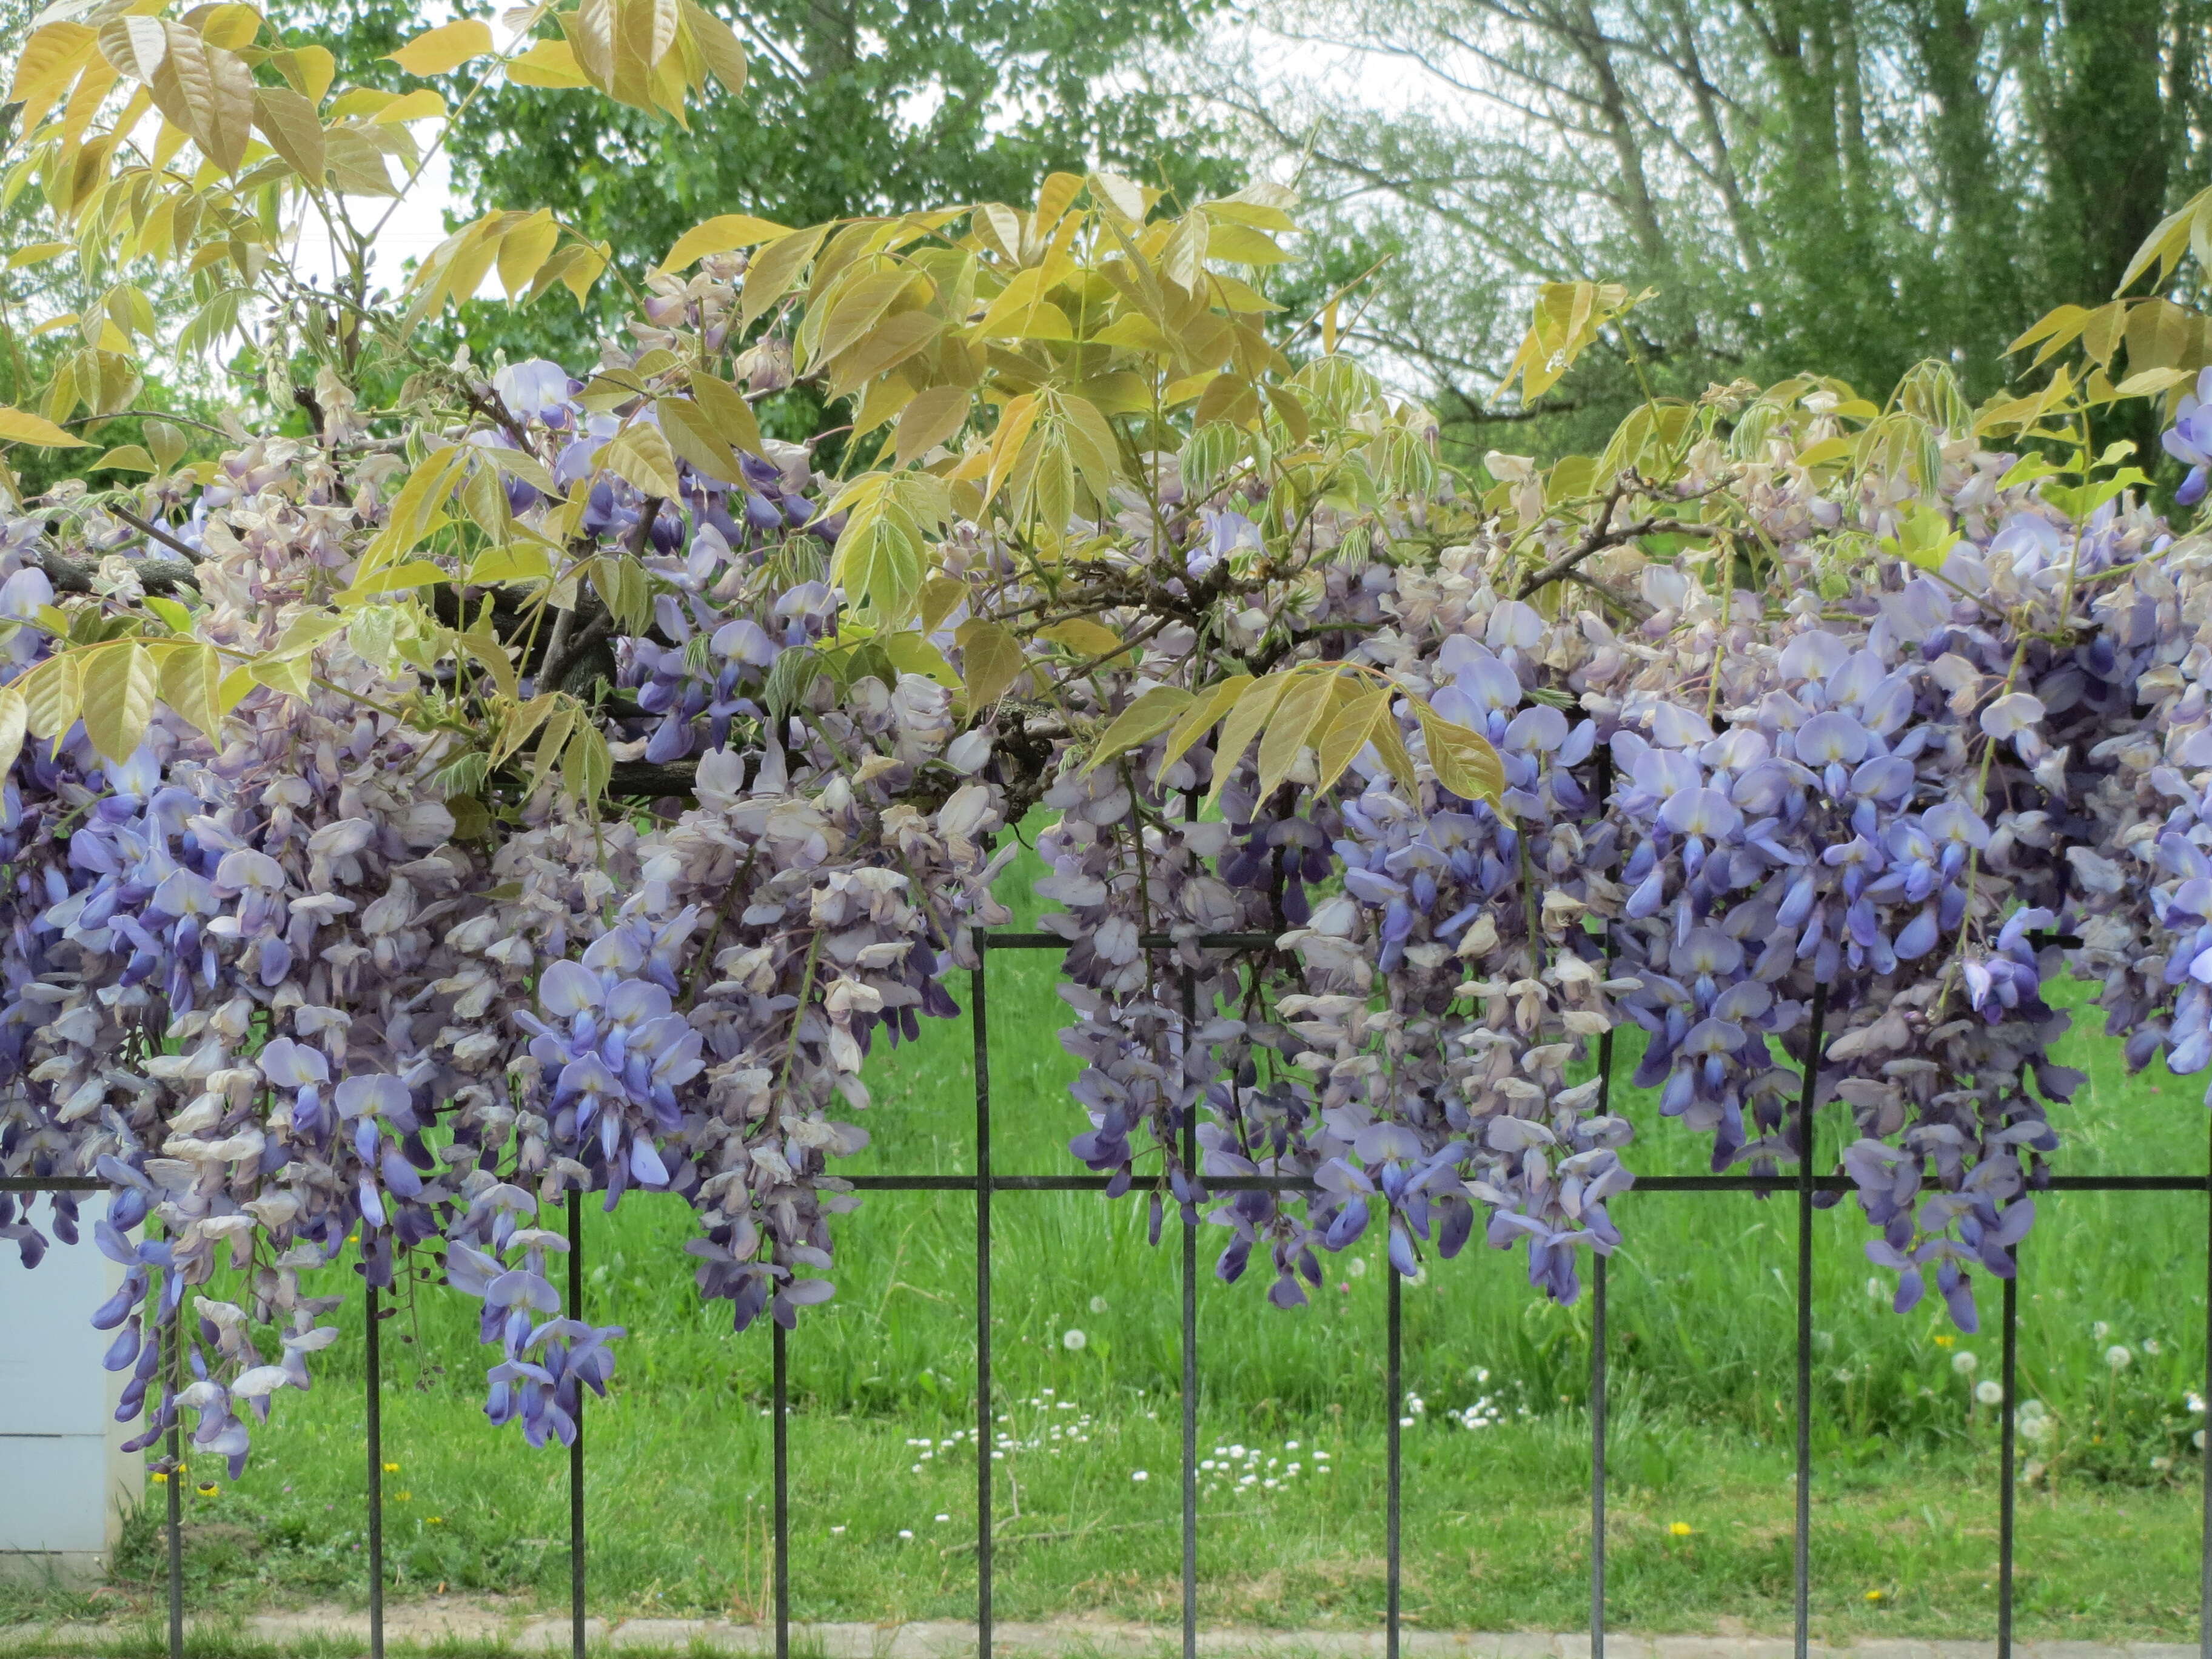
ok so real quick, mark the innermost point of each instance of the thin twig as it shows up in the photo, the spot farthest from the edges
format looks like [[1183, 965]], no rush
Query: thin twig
[[146, 528]]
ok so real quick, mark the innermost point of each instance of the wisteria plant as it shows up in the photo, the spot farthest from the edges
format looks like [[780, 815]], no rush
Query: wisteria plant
[[423, 804]]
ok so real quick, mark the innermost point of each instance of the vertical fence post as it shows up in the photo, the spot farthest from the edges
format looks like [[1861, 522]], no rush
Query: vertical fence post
[[2009, 1364], [780, 1440], [979, 1001], [373, 1344], [1603, 787], [1803, 1564], [1393, 1382], [176, 1485], [1190, 1351], [1597, 1456], [576, 1446]]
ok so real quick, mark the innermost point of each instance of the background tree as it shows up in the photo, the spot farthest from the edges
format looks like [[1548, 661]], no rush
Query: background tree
[[1854, 184], [852, 106]]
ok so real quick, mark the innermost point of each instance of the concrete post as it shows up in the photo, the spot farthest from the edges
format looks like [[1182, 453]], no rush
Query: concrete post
[[65, 1485]]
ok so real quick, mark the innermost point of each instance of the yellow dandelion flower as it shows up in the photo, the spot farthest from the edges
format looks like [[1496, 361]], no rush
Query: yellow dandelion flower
[[1945, 1340], [435, 1520], [401, 1497], [1681, 1529], [391, 1468], [1877, 1595], [160, 1479], [207, 1489]]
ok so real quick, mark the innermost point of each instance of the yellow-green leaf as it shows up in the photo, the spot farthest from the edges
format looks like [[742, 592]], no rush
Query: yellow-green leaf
[[1296, 723], [1197, 720], [51, 695], [129, 457], [932, 417], [288, 120], [14, 722], [550, 63], [19, 426], [192, 683], [991, 660], [1083, 637], [730, 416], [1350, 731], [1254, 704], [446, 48], [120, 686], [639, 454], [1140, 722], [1463, 760], [723, 234], [517, 562]]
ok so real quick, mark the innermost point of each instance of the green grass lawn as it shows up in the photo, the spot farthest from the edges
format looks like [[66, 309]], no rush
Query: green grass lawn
[[1497, 1521]]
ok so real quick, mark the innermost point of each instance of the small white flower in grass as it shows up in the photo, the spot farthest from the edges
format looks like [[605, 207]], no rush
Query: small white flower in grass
[[906, 1532], [1098, 1305], [1358, 1268], [2099, 1331], [1405, 1422], [944, 1517], [1139, 1474], [1073, 1340], [1990, 1393], [1290, 1445], [2194, 1400], [2151, 1346], [1965, 1362], [2198, 1440], [834, 1531], [917, 1468], [1874, 1292], [2118, 1358], [1236, 1451]]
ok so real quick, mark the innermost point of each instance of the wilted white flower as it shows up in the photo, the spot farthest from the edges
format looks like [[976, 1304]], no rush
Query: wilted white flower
[[1074, 1341], [2118, 1358], [1965, 1363], [2099, 1331], [1098, 1305], [1989, 1393]]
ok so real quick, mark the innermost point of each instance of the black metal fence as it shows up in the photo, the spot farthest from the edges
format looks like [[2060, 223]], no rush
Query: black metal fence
[[986, 1182]]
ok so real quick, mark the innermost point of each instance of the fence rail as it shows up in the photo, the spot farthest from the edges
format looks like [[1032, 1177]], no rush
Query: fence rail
[[986, 1182]]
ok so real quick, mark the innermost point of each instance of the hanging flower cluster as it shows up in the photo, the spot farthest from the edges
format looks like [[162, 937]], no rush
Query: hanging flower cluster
[[414, 819]]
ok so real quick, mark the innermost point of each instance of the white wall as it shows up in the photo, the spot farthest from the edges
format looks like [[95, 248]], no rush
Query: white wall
[[64, 1485]]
